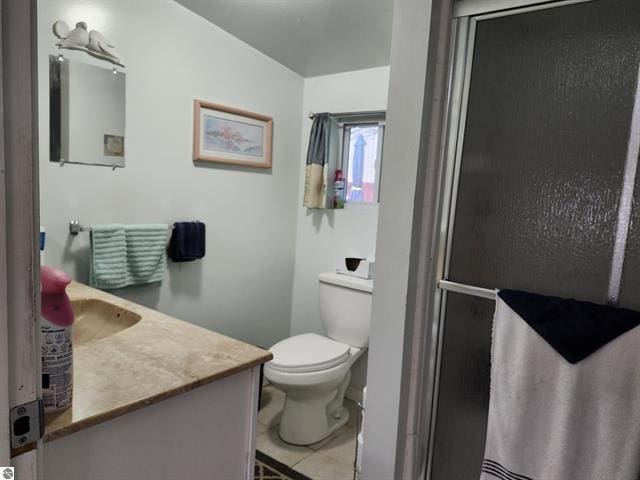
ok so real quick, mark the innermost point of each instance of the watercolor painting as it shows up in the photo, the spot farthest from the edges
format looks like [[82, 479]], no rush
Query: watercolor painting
[[233, 137], [229, 135]]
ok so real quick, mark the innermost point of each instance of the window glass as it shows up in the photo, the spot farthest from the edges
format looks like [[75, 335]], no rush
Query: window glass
[[361, 156]]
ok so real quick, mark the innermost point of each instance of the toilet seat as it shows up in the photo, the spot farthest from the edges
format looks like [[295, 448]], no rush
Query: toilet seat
[[308, 352]]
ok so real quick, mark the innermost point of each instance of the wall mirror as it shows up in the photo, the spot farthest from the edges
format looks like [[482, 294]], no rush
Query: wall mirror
[[89, 101]]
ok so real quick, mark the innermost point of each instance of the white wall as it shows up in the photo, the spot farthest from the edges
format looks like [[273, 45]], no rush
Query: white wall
[[243, 286], [324, 235], [407, 142]]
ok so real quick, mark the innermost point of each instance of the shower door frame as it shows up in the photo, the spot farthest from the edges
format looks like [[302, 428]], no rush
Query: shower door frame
[[466, 15]]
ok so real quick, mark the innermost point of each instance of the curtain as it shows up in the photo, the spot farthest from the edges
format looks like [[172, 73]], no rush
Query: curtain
[[317, 163]]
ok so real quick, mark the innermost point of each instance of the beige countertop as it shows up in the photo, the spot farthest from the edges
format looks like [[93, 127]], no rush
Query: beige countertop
[[155, 359]]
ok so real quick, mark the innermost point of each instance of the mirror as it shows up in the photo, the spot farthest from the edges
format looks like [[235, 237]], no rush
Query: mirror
[[88, 101]]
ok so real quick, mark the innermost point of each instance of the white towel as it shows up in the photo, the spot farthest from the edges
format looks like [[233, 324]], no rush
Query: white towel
[[553, 420]]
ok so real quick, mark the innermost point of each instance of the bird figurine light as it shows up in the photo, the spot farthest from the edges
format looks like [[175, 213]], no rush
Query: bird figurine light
[[92, 42]]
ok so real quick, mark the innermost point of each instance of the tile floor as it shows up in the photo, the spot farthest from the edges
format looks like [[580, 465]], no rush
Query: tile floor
[[330, 459]]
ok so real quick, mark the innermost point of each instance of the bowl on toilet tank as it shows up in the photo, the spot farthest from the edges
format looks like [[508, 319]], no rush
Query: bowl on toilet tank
[[345, 308]]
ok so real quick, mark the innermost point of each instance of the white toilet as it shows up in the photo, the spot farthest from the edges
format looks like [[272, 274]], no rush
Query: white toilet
[[314, 371]]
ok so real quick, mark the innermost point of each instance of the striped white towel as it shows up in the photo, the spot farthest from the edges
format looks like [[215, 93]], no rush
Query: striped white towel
[[565, 391]]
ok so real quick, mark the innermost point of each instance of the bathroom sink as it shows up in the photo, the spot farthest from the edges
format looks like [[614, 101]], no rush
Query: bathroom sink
[[96, 319]]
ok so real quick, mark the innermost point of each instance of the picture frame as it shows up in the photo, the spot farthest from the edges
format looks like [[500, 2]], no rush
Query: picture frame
[[231, 136]]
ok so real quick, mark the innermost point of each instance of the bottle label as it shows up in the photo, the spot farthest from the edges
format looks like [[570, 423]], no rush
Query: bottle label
[[57, 367]]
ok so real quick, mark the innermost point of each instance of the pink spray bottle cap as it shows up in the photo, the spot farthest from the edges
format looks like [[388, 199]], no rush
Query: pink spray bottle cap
[[56, 306]]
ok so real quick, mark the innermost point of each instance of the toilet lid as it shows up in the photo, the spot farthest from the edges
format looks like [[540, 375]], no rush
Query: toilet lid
[[308, 353]]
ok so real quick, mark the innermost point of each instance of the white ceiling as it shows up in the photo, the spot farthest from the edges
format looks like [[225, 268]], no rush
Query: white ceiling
[[311, 37]]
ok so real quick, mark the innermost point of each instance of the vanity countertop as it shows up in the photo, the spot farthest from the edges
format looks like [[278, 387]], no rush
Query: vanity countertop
[[157, 358]]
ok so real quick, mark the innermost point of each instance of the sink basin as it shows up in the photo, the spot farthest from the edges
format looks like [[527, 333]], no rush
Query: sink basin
[[96, 319]]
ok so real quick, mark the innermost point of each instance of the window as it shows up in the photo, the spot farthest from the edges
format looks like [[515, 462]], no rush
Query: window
[[362, 160]]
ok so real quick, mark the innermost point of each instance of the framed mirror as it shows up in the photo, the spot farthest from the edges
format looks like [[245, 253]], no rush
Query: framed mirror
[[87, 108]]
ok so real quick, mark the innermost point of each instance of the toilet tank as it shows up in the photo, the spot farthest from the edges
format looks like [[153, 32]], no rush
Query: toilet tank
[[345, 308]]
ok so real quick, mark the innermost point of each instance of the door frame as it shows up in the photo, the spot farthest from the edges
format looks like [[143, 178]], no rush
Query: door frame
[[5, 442], [19, 226], [501, 8]]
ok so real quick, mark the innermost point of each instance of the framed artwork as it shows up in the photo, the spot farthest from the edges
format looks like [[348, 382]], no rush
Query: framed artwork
[[232, 136]]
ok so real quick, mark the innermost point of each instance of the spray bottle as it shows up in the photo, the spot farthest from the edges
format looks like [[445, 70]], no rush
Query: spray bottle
[[57, 351]]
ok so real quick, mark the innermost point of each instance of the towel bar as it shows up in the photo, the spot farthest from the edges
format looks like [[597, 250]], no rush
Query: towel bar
[[467, 289], [75, 227]]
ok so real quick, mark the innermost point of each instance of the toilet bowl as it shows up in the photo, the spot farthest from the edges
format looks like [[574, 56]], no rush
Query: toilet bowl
[[314, 370], [313, 407]]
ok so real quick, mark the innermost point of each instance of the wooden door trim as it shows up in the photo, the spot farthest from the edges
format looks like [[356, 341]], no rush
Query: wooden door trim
[[20, 149]]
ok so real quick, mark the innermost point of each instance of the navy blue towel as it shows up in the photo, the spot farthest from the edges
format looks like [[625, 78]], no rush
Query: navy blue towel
[[187, 241], [574, 329]]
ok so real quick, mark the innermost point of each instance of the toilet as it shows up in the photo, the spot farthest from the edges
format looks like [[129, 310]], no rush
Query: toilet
[[314, 370]]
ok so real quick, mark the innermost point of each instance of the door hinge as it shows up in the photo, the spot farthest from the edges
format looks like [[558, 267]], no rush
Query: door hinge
[[27, 423]]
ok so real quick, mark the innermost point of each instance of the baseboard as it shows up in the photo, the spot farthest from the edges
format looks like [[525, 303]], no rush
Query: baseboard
[[354, 394]]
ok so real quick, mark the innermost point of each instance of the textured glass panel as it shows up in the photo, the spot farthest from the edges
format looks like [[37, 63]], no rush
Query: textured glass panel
[[463, 400], [548, 121], [630, 292]]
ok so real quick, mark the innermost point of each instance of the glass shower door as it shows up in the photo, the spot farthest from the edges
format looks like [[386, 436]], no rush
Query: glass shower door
[[541, 157]]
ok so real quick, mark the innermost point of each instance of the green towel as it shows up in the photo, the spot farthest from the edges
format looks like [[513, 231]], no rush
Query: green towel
[[108, 265], [123, 255]]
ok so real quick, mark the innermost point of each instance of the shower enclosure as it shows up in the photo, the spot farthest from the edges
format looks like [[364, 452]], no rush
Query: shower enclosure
[[540, 191]]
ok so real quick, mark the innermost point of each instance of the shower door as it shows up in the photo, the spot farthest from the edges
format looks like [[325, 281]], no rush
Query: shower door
[[544, 124]]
